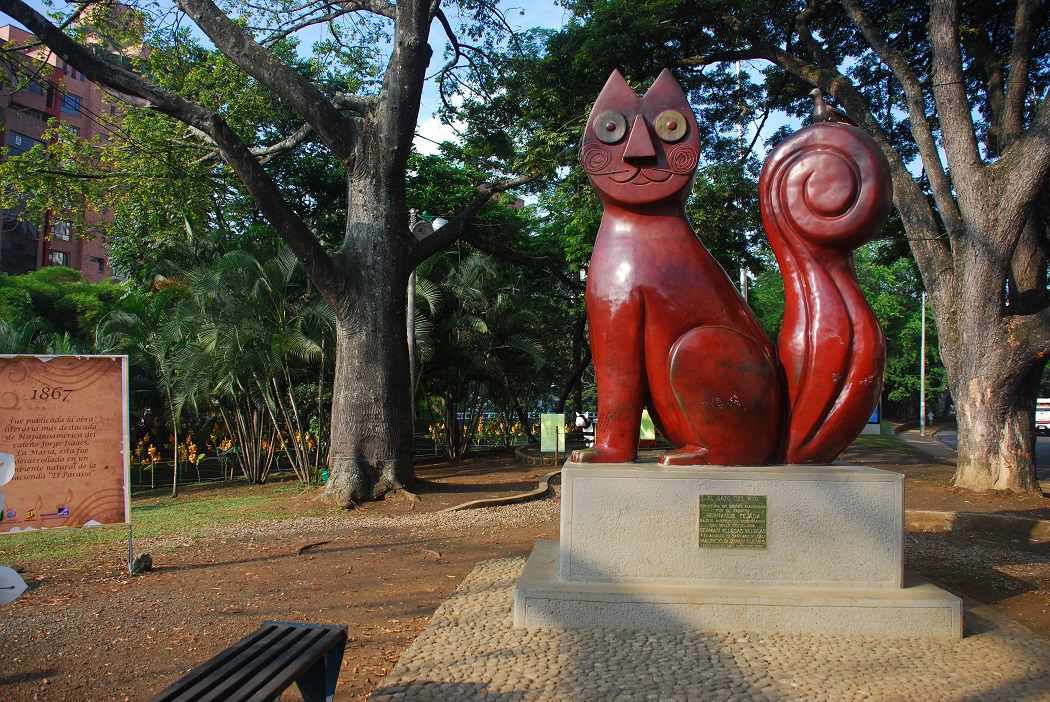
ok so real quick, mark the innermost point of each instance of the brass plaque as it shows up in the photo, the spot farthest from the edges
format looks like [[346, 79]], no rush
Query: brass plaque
[[733, 521]]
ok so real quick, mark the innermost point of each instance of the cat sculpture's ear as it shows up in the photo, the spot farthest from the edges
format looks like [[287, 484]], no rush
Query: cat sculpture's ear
[[616, 93], [665, 92]]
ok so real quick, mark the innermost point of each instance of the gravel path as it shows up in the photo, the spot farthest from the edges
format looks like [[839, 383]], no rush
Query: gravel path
[[471, 651]]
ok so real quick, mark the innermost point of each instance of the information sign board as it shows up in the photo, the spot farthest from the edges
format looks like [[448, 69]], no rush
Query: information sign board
[[64, 420]]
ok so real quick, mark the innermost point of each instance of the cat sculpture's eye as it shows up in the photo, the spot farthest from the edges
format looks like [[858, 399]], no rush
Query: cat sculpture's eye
[[670, 126], [610, 127]]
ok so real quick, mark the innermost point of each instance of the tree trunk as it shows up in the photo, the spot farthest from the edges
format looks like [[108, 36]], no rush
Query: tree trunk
[[993, 380], [371, 435], [996, 440]]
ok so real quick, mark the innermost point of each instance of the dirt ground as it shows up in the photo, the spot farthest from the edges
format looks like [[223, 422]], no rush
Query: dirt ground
[[85, 631]]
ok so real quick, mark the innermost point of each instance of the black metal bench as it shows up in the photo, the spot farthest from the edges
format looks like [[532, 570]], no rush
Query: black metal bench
[[262, 665]]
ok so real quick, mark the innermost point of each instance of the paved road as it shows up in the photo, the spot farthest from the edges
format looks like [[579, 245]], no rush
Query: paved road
[[948, 437]]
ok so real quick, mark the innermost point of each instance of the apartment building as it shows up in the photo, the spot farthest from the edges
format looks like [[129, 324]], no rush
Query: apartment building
[[65, 95]]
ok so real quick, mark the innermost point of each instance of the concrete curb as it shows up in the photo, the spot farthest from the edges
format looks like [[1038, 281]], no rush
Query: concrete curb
[[541, 490], [522, 455], [1034, 531]]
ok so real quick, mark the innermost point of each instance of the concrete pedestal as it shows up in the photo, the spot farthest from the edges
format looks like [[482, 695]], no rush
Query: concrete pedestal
[[787, 548]]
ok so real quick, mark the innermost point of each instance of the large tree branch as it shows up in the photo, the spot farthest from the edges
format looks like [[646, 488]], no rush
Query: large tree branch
[[263, 153], [1022, 171], [921, 129], [457, 226], [403, 81], [1020, 174], [289, 143], [1020, 60], [979, 47], [337, 131], [376, 7], [285, 221], [142, 92], [543, 264], [953, 107], [360, 104], [805, 34], [1028, 335]]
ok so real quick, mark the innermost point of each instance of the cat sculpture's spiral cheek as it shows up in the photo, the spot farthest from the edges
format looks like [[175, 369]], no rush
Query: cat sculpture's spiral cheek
[[641, 158]]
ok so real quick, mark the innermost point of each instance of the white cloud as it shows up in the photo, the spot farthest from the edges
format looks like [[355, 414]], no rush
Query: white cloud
[[431, 133]]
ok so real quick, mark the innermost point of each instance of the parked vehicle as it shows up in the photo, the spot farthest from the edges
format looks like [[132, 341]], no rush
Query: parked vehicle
[[1042, 416]]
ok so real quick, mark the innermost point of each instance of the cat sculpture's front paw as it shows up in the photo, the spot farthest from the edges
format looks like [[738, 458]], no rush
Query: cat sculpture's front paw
[[601, 454], [584, 456], [686, 456]]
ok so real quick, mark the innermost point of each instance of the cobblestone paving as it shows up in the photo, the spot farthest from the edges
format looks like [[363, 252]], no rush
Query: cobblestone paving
[[471, 651]]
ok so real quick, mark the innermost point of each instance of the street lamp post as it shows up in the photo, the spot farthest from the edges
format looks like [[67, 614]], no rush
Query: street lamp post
[[421, 229]]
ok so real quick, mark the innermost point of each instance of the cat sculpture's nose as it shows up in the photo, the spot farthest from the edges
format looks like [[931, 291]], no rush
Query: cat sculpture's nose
[[639, 144]]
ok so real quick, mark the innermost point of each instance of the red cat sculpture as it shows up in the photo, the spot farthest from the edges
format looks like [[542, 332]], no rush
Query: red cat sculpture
[[670, 332], [668, 329]]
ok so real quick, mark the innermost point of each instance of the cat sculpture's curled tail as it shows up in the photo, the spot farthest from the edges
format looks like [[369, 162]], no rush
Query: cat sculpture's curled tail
[[825, 191]]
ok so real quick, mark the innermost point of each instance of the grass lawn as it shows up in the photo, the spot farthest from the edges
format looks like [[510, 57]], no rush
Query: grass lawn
[[157, 513]]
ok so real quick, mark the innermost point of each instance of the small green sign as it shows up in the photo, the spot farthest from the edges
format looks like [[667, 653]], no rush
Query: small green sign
[[648, 429], [733, 521], [552, 429]]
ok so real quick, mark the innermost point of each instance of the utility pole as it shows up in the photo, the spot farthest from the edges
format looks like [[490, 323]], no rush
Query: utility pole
[[922, 371], [740, 158]]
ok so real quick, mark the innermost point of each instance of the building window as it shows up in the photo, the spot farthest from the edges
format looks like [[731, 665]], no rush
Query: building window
[[58, 258], [18, 144], [75, 130], [112, 109], [103, 136], [61, 231], [101, 263], [71, 104], [34, 88]]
